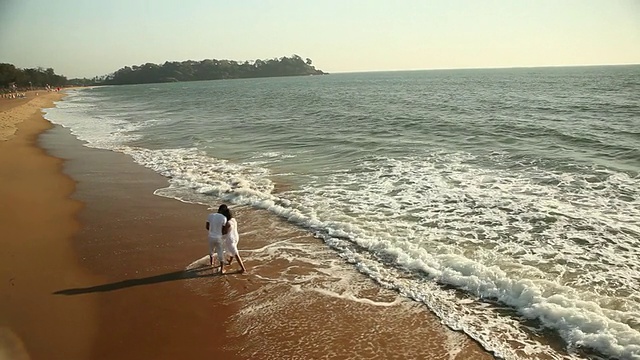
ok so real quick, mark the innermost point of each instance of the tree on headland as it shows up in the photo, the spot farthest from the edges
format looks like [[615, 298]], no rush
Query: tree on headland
[[212, 69], [170, 71]]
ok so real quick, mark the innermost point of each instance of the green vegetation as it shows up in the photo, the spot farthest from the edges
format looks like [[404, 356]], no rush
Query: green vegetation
[[29, 78], [211, 70], [168, 72]]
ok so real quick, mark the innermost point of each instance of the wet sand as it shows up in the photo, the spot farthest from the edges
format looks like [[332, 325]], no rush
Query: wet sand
[[37, 219], [134, 276]]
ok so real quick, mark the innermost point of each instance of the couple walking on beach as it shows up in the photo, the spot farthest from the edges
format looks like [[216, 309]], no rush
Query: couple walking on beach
[[223, 235]]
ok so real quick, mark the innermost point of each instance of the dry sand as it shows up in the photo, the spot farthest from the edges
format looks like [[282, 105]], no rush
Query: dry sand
[[114, 284], [37, 219]]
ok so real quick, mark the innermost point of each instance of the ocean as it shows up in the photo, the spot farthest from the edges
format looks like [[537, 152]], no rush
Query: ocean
[[507, 201]]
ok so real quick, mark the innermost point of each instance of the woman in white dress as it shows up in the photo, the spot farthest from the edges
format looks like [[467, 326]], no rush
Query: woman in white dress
[[231, 239]]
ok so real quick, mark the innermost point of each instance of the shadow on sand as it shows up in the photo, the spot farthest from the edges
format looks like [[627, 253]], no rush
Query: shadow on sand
[[199, 272]]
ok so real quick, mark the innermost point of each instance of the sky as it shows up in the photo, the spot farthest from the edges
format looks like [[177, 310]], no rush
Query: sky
[[87, 38]]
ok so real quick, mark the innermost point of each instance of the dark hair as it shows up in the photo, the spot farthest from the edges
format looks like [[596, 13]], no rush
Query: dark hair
[[222, 208], [227, 212]]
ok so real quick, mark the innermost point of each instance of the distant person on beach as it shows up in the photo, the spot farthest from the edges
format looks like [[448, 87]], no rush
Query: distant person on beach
[[216, 224], [231, 239]]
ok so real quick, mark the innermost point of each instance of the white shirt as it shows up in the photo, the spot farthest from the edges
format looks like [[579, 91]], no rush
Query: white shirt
[[216, 222], [233, 231]]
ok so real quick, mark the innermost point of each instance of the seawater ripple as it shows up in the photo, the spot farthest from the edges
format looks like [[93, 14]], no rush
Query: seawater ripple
[[506, 201], [503, 236]]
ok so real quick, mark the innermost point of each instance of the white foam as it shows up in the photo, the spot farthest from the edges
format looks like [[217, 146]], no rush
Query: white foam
[[99, 131], [439, 243], [202, 262], [557, 246], [352, 297]]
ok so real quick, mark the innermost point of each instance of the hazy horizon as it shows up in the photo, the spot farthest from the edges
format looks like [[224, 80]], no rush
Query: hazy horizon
[[86, 39]]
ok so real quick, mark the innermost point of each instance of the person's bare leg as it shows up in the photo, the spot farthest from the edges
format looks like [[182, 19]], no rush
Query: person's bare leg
[[230, 260], [240, 262], [221, 259]]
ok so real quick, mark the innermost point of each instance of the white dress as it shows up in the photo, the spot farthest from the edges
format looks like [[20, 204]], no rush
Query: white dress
[[232, 237]]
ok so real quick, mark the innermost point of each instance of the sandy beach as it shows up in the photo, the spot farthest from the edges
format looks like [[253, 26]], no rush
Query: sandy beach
[[38, 219], [95, 266]]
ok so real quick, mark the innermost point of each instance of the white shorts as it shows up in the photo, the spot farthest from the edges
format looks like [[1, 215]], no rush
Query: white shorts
[[215, 243]]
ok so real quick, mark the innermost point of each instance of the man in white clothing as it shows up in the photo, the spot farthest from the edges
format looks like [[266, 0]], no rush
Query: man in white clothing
[[216, 223]]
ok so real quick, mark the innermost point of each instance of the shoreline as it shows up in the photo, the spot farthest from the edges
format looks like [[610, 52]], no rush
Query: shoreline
[[298, 299], [38, 219], [132, 239]]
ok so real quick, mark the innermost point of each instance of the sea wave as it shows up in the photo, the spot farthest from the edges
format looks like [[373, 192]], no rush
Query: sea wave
[[505, 244]]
